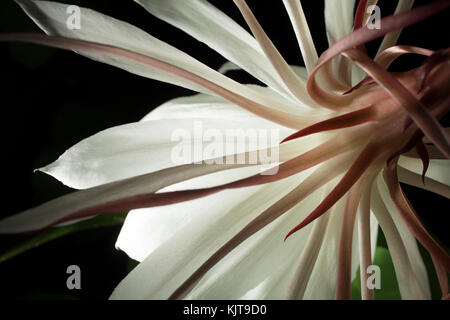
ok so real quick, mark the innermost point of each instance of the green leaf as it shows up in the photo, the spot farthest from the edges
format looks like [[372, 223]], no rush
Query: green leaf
[[132, 264], [48, 235], [389, 286]]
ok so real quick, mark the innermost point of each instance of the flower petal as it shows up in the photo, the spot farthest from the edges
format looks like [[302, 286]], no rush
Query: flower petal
[[391, 38], [347, 254], [193, 125], [263, 261], [410, 218], [422, 117], [308, 257], [314, 181], [302, 32], [295, 84], [338, 24], [222, 34], [141, 191], [320, 286], [170, 263], [360, 37], [146, 229], [438, 169], [365, 242], [338, 19], [415, 180], [411, 273], [207, 106], [108, 198], [99, 28]]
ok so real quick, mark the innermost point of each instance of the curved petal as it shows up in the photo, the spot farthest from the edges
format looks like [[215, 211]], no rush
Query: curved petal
[[324, 287], [262, 266], [195, 126], [222, 34], [416, 110], [307, 260], [320, 286], [228, 66], [338, 24], [413, 283], [99, 28], [206, 106], [314, 181], [415, 180], [112, 197], [141, 191], [406, 279], [302, 32], [361, 36], [438, 170], [172, 262], [391, 38], [146, 229], [338, 19], [295, 84]]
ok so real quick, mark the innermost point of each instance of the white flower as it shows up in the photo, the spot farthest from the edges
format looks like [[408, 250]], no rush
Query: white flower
[[216, 231]]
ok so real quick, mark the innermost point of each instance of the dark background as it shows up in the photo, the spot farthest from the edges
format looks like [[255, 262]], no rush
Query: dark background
[[51, 99]]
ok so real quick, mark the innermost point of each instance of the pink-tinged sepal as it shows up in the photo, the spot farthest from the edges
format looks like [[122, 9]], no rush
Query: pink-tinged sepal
[[432, 61], [423, 154], [411, 220], [343, 121], [366, 81], [416, 137], [364, 160]]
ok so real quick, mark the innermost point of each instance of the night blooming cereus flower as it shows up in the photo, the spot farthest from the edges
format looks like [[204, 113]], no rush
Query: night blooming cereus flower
[[349, 132]]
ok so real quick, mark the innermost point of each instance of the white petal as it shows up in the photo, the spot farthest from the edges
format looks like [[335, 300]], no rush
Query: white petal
[[146, 229], [391, 38], [296, 85], [338, 24], [413, 283], [207, 106], [96, 27], [263, 266], [114, 195], [302, 32], [374, 226], [228, 66], [322, 284], [175, 259], [136, 226], [438, 170], [300, 71], [221, 34], [415, 180], [338, 19], [357, 75], [101, 198], [138, 148], [307, 259]]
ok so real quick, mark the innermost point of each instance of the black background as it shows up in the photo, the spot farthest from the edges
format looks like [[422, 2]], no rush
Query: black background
[[51, 99]]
